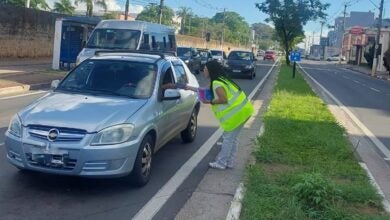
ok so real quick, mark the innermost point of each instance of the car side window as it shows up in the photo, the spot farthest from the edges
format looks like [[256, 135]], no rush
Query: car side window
[[180, 74]]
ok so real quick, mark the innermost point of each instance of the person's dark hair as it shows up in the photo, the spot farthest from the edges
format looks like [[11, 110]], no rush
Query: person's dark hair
[[216, 72]]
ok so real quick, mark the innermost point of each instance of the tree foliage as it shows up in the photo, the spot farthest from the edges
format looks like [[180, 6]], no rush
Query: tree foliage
[[35, 4], [289, 17], [184, 13], [64, 7], [151, 14], [90, 4], [264, 36]]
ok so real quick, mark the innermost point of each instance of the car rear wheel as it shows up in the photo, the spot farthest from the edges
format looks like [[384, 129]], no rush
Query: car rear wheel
[[189, 134], [140, 175], [253, 75]]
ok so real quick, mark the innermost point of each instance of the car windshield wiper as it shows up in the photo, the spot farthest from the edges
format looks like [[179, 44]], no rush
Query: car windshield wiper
[[70, 89]]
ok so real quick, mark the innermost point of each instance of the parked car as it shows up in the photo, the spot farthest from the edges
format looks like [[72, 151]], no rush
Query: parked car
[[205, 56], [218, 55], [260, 53], [270, 55], [241, 64], [191, 57], [106, 118], [335, 58], [129, 35]]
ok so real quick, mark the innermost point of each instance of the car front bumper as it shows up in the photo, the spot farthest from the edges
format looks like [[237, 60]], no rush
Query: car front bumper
[[239, 72], [78, 159]]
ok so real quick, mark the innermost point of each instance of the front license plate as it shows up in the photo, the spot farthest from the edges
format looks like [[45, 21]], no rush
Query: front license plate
[[236, 71]]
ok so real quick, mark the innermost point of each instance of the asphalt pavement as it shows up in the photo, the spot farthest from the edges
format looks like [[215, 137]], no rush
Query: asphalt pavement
[[29, 195], [368, 98]]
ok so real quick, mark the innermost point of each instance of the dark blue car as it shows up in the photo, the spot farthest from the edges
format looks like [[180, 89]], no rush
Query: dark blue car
[[241, 64]]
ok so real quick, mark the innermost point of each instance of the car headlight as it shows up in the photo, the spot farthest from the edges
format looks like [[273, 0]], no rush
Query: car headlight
[[248, 66], [186, 61], [113, 135], [15, 126]]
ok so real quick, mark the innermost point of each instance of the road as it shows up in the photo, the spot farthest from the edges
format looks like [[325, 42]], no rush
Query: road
[[26, 195], [367, 98]]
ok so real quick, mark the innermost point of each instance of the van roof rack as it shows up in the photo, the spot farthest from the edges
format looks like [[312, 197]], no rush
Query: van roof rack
[[162, 54]]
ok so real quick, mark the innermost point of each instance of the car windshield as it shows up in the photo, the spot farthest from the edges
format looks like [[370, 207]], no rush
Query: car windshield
[[114, 39], [216, 53], [109, 77], [270, 52], [183, 52], [237, 55]]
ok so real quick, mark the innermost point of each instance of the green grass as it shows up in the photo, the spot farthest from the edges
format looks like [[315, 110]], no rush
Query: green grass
[[305, 167]]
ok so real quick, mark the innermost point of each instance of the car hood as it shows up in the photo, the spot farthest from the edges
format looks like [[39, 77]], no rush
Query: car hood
[[184, 57], [87, 112], [217, 57]]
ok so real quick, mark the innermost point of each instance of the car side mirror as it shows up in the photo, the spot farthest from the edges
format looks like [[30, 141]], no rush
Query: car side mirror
[[171, 94], [54, 84]]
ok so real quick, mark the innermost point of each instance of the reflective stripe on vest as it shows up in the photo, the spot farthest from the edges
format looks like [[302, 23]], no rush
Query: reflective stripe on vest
[[238, 109]]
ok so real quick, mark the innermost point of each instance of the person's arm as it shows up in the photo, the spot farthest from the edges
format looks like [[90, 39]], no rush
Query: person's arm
[[221, 97], [168, 86]]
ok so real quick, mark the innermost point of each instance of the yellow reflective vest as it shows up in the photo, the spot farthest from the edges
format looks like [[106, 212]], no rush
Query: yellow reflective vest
[[236, 111]]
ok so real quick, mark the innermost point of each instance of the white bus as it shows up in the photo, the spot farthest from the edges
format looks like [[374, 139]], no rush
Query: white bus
[[129, 35]]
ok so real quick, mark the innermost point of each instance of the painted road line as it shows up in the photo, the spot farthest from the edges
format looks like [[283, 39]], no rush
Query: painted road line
[[367, 132], [356, 81], [150, 209], [376, 90], [386, 204], [22, 95]]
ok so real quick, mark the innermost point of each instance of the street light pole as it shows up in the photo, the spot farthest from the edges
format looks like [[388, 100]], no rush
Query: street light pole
[[127, 9], [342, 34], [378, 37], [160, 11]]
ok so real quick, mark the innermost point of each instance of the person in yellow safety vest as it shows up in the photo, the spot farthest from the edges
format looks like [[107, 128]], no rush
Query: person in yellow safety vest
[[231, 107]]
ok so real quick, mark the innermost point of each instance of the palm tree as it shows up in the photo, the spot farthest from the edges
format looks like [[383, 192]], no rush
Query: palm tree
[[91, 3], [64, 7], [182, 13]]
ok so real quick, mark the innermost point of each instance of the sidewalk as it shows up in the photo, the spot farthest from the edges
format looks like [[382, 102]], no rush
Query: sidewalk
[[20, 75], [365, 70]]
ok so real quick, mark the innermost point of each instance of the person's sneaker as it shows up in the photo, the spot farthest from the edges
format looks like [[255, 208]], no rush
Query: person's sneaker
[[216, 165]]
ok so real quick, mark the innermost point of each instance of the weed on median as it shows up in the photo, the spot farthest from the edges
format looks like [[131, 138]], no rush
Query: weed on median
[[305, 167]]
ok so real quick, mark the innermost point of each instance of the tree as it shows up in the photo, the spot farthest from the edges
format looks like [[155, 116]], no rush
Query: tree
[[264, 35], [110, 15], [182, 13], [64, 7], [236, 28], [90, 4], [289, 17], [150, 14], [35, 4]]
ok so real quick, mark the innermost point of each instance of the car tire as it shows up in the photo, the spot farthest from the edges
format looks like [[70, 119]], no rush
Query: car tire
[[140, 175], [253, 75], [188, 135]]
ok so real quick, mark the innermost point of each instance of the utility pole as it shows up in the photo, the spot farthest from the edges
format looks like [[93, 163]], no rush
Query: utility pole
[[322, 26], [127, 9], [342, 34], [223, 27], [160, 11], [377, 43], [27, 3], [312, 40]]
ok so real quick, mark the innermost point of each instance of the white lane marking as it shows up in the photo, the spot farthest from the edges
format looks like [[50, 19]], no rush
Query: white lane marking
[[235, 206], [385, 202], [150, 209], [356, 81], [22, 95], [367, 132], [376, 90]]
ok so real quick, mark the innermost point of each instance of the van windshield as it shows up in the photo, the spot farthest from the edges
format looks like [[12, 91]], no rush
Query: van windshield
[[183, 52], [114, 39], [216, 53]]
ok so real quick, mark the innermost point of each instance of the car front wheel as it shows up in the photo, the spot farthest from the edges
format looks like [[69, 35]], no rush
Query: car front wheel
[[189, 134], [143, 163]]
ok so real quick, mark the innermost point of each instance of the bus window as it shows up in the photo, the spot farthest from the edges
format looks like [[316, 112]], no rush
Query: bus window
[[172, 41], [165, 42]]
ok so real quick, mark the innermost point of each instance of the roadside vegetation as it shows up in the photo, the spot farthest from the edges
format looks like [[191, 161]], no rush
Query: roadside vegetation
[[305, 166]]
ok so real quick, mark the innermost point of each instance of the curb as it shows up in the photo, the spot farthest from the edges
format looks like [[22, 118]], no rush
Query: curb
[[23, 88], [236, 204]]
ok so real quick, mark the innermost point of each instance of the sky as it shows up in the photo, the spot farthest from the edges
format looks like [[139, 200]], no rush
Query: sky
[[247, 9]]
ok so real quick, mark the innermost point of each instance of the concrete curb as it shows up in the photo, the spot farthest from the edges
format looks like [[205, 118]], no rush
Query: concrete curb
[[236, 205], [23, 88]]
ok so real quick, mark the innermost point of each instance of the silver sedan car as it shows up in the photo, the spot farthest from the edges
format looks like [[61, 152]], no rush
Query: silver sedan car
[[106, 118]]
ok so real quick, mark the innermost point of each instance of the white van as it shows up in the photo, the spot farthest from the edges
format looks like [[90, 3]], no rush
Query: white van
[[129, 35]]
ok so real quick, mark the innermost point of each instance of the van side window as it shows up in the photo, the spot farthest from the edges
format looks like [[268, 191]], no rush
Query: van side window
[[165, 42], [172, 41], [154, 43], [145, 42]]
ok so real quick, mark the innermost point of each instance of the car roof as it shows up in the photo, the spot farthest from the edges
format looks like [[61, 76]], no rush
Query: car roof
[[216, 50], [133, 57], [134, 25], [241, 51]]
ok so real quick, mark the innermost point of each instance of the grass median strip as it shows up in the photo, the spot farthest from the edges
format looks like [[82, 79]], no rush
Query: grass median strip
[[305, 166]]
